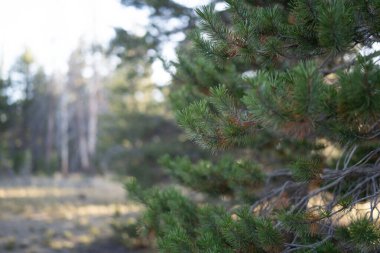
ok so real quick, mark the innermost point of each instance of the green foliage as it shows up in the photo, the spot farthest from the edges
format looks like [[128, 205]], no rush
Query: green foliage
[[132, 142], [364, 235], [302, 88], [216, 122], [202, 229], [298, 223], [134, 134], [5, 107], [27, 120], [176, 240], [268, 236], [306, 170], [164, 209], [227, 177], [336, 25], [359, 103], [126, 231], [282, 76], [328, 247]]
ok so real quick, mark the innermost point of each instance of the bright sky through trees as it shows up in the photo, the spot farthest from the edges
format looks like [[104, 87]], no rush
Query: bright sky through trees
[[51, 29]]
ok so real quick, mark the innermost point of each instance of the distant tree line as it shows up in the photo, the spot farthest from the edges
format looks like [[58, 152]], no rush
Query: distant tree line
[[49, 122], [97, 117]]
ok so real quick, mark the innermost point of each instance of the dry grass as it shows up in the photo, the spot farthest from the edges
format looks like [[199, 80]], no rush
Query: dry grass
[[48, 215]]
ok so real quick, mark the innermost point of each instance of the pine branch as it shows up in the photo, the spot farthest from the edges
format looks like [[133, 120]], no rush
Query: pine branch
[[349, 64]]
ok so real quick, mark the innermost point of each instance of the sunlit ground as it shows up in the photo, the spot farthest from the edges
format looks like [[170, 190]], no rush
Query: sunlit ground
[[45, 215], [359, 210]]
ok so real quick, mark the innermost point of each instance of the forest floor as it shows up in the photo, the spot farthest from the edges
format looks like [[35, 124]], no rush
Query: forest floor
[[65, 215]]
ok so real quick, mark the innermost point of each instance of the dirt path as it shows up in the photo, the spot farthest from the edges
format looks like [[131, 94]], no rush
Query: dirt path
[[49, 215]]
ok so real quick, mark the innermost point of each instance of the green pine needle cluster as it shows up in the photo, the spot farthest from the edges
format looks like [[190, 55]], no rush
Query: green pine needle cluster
[[216, 122], [227, 177], [204, 228]]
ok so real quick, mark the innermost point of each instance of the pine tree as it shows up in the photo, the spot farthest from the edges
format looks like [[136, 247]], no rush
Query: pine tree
[[6, 112], [287, 88]]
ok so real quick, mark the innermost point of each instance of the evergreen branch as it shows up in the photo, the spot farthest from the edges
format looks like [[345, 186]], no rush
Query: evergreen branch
[[211, 24], [295, 209], [348, 64], [277, 192], [365, 172], [296, 247]]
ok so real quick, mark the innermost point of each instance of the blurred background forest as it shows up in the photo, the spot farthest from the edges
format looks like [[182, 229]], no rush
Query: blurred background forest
[[84, 90], [103, 112]]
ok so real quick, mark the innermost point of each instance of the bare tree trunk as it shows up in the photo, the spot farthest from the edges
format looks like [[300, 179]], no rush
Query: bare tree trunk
[[93, 113], [49, 134], [63, 124], [82, 136]]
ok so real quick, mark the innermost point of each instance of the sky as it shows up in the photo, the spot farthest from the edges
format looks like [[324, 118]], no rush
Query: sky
[[52, 29]]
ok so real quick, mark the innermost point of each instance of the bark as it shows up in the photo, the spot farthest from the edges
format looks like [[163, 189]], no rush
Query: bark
[[63, 123]]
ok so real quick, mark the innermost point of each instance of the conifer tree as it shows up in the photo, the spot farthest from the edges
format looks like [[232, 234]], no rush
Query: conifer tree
[[292, 90], [6, 110]]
